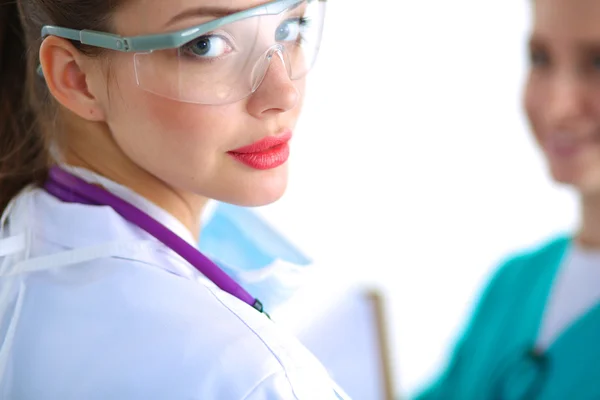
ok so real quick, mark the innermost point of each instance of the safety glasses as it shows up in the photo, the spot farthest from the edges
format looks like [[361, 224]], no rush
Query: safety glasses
[[221, 61]]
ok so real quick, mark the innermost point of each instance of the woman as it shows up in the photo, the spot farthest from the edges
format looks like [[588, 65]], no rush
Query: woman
[[143, 110], [534, 334]]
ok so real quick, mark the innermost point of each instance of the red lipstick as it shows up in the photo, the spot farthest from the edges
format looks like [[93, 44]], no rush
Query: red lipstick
[[267, 153]]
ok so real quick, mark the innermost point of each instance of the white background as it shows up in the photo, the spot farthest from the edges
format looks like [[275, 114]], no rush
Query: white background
[[413, 167]]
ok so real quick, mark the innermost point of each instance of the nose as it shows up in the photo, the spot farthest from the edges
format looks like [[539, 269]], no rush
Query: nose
[[568, 99], [274, 91]]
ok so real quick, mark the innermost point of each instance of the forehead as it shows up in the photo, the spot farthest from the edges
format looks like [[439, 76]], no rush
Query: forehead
[[141, 17], [567, 19]]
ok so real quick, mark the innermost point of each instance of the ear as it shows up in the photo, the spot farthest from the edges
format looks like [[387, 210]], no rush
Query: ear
[[67, 73]]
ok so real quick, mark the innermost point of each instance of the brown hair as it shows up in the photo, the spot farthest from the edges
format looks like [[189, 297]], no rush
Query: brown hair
[[27, 111]]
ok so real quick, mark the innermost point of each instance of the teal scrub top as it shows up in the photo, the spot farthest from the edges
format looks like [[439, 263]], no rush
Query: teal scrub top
[[496, 357]]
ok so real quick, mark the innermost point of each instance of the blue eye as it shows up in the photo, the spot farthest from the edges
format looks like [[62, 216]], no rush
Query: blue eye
[[209, 46], [291, 30]]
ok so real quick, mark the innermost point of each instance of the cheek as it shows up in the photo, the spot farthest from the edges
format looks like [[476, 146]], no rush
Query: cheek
[[190, 133], [183, 144], [164, 120], [174, 117], [533, 105]]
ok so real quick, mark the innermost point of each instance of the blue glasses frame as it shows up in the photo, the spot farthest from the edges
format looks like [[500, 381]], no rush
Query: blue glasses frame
[[172, 40], [164, 41]]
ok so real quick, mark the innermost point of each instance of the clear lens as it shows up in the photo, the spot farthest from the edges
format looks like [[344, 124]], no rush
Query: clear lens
[[229, 63]]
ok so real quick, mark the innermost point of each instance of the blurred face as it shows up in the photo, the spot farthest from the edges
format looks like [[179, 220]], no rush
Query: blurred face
[[562, 96], [234, 152]]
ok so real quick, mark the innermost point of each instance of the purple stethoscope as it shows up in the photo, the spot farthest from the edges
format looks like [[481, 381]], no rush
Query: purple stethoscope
[[71, 189]]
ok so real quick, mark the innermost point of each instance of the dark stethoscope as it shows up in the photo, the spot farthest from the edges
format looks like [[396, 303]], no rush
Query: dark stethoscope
[[521, 375], [71, 189]]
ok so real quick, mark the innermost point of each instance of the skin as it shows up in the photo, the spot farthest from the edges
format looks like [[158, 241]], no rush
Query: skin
[[171, 152], [562, 100]]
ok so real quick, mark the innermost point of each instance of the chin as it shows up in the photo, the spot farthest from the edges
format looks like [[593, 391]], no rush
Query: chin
[[584, 184], [257, 199], [588, 188], [260, 189], [562, 178], [567, 181]]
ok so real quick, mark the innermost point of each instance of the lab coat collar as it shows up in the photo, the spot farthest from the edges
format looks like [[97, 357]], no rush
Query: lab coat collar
[[135, 200], [75, 226]]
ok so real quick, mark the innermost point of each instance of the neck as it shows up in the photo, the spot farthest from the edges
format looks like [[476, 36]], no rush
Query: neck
[[589, 233], [98, 152]]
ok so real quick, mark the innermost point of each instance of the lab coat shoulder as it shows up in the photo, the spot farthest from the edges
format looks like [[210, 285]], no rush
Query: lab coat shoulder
[[118, 329], [277, 386]]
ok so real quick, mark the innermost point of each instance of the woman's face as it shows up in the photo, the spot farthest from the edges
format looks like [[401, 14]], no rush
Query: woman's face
[[191, 146], [562, 96]]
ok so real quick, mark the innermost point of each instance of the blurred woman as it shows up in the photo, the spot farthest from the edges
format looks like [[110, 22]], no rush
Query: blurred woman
[[535, 332]]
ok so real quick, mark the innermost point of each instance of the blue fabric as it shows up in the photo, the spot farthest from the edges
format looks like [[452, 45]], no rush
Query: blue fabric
[[495, 358], [239, 236], [254, 254]]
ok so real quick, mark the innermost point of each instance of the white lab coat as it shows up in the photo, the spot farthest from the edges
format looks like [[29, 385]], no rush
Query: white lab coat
[[94, 308]]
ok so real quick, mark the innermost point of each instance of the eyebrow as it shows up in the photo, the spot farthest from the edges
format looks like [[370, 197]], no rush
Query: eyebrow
[[205, 11], [535, 39], [582, 45]]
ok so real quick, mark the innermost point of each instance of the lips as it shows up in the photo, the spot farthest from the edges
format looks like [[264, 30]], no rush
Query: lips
[[267, 153], [566, 144]]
